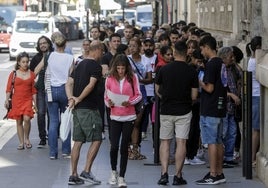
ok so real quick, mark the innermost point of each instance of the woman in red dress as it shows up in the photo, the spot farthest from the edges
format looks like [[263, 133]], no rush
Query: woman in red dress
[[23, 99]]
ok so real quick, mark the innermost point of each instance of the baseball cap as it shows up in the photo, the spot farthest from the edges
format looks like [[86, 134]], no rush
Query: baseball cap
[[151, 40]]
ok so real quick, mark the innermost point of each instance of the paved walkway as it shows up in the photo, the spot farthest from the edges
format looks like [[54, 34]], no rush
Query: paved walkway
[[32, 167]]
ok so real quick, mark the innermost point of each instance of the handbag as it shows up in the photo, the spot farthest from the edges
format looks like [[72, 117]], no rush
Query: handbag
[[11, 94], [139, 107], [66, 124]]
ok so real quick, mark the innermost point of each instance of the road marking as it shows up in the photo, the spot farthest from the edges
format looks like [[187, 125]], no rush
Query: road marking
[[6, 163], [7, 65], [7, 131]]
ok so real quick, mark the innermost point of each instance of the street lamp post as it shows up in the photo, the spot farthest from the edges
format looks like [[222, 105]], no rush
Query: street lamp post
[[123, 4]]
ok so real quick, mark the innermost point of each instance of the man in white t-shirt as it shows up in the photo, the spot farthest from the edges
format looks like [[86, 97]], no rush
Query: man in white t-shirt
[[149, 57]]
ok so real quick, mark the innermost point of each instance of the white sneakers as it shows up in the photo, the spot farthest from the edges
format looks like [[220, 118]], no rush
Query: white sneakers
[[114, 179], [186, 161], [121, 182], [201, 153], [194, 161], [236, 156], [103, 136], [143, 135]]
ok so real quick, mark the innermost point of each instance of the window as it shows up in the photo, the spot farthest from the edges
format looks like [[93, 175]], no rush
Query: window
[[32, 26]]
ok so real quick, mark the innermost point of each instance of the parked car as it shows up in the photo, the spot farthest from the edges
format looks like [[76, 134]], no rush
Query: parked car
[[144, 18], [27, 28], [5, 34]]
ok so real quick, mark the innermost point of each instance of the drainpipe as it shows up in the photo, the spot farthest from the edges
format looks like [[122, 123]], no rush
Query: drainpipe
[[198, 13], [164, 12], [176, 11], [185, 10]]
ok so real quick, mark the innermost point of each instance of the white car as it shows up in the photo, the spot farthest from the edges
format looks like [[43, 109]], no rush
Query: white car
[[27, 28]]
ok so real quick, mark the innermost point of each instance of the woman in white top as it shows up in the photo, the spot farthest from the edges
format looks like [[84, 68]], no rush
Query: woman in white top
[[144, 73], [251, 49], [58, 67]]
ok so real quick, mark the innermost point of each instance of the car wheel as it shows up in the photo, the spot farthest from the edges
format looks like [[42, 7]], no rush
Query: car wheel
[[11, 58]]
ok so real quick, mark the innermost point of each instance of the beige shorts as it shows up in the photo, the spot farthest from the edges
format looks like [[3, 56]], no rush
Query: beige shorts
[[179, 124]]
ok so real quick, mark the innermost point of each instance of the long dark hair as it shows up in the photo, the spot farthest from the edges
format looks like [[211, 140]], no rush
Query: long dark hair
[[164, 49], [19, 57], [50, 49], [122, 60], [253, 45]]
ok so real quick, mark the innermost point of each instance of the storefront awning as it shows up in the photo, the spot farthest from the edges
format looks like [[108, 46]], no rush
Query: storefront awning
[[109, 5]]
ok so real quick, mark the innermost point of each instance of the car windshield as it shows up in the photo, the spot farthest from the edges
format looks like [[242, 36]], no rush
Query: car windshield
[[32, 26], [129, 15], [144, 16], [3, 25]]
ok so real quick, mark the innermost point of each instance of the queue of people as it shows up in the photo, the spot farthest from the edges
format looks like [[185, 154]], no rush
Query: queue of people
[[180, 65]]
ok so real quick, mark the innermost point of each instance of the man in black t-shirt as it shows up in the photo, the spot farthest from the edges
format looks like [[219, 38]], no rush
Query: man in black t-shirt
[[114, 42], [82, 93], [177, 86], [213, 110]]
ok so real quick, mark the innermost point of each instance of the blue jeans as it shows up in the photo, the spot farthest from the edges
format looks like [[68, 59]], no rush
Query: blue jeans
[[147, 112], [41, 113], [256, 113], [229, 136], [55, 108], [144, 95], [211, 130]]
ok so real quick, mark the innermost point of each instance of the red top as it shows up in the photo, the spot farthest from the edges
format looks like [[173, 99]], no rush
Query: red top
[[22, 99]]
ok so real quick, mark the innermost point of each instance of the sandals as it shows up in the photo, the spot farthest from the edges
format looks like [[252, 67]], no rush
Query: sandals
[[134, 154], [28, 146], [20, 147]]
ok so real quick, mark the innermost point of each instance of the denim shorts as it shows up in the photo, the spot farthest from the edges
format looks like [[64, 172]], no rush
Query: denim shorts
[[87, 125], [211, 130], [256, 113]]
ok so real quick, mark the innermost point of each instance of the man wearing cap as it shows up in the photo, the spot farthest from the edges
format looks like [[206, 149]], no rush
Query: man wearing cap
[[149, 57]]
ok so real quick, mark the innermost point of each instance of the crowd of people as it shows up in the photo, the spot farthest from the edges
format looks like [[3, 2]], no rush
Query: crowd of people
[[123, 80]]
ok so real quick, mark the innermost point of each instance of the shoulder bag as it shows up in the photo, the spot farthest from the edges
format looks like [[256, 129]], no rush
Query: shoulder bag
[[11, 93]]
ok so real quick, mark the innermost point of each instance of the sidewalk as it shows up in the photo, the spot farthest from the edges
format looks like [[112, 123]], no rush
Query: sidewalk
[[33, 168]]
